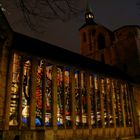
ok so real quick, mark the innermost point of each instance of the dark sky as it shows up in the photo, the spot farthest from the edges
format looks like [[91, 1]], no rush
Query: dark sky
[[109, 13]]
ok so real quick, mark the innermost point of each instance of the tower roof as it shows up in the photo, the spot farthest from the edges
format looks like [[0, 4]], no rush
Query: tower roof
[[88, 8], [89, 16]]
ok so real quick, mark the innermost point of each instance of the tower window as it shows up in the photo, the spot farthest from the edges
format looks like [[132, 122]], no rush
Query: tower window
[[84, 37], [101, 42]]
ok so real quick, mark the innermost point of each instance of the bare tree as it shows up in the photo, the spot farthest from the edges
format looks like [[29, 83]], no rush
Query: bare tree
[[41, 10]]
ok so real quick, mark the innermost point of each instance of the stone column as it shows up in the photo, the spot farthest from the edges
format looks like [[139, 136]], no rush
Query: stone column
[[122, 104], [54, 91], [102, 101], [113, 101], [88, 101], [5, 87], [72, 88]]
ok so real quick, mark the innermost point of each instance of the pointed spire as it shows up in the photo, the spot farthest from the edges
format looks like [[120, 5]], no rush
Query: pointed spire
[[88, 7], [89, 16]]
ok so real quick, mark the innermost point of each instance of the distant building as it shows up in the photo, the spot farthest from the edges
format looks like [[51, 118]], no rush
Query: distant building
[[49, 93]]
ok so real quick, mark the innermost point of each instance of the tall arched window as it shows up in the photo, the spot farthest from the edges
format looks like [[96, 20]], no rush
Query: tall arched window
[[39, 94], [26, 85], [60, 96], [49, 95], [101, 41], [15, 89]]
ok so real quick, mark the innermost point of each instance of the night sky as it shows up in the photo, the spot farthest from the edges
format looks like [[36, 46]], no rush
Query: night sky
[[110, 13]]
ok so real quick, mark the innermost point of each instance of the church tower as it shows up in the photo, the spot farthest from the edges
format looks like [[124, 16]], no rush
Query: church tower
[[95, 39]]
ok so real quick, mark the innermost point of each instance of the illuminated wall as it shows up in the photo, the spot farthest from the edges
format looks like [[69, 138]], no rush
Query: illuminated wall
[[80, 96]]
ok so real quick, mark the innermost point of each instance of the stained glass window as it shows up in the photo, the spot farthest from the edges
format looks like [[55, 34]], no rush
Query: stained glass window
[[109, 102], [84, 99], [26, 92], [98, 101], [14, 102], [60, 97], [48, 96], [118, 111], [117, 103], [68, 108], [105, 103], [39, 94], [93, 101], [77, 99], [127, 106], [114, 103]]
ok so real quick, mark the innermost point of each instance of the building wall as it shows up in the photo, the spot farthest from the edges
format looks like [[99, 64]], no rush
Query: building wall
[[4, 58], [126, 46], [90, 43], [65, 123], [120, 48], [28, 112]]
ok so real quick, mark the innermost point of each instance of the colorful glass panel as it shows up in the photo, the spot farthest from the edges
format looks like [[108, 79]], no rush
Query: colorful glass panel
[[60, 97], [68, 114], [127, 106], [84, 100], [98, 101], [14, 102], [93, 101], [109, 102], [77, 99], [26, 93], [39, 95], [118, 112], [105, 103], [48, 96]]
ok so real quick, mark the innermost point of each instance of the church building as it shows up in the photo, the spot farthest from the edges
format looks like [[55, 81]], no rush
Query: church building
[[49, 93]]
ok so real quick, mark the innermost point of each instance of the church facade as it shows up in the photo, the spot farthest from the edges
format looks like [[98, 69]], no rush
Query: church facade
[[49, 93]]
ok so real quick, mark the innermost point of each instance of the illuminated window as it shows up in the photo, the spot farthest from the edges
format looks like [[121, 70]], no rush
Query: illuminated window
[[48, 96], [26, 93], [117, 103], [77, 99], [93, 101], [14, 94], [39, 95], [68, 109], [127, 105], [84, 99], [98, 101], [60, 97], [109, 102], [105, 103]]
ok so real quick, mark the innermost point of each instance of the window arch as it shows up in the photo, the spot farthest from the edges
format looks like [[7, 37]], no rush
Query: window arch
[[101, 41]]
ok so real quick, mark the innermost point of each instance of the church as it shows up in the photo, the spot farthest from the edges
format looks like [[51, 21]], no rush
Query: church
[[49, 93]]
